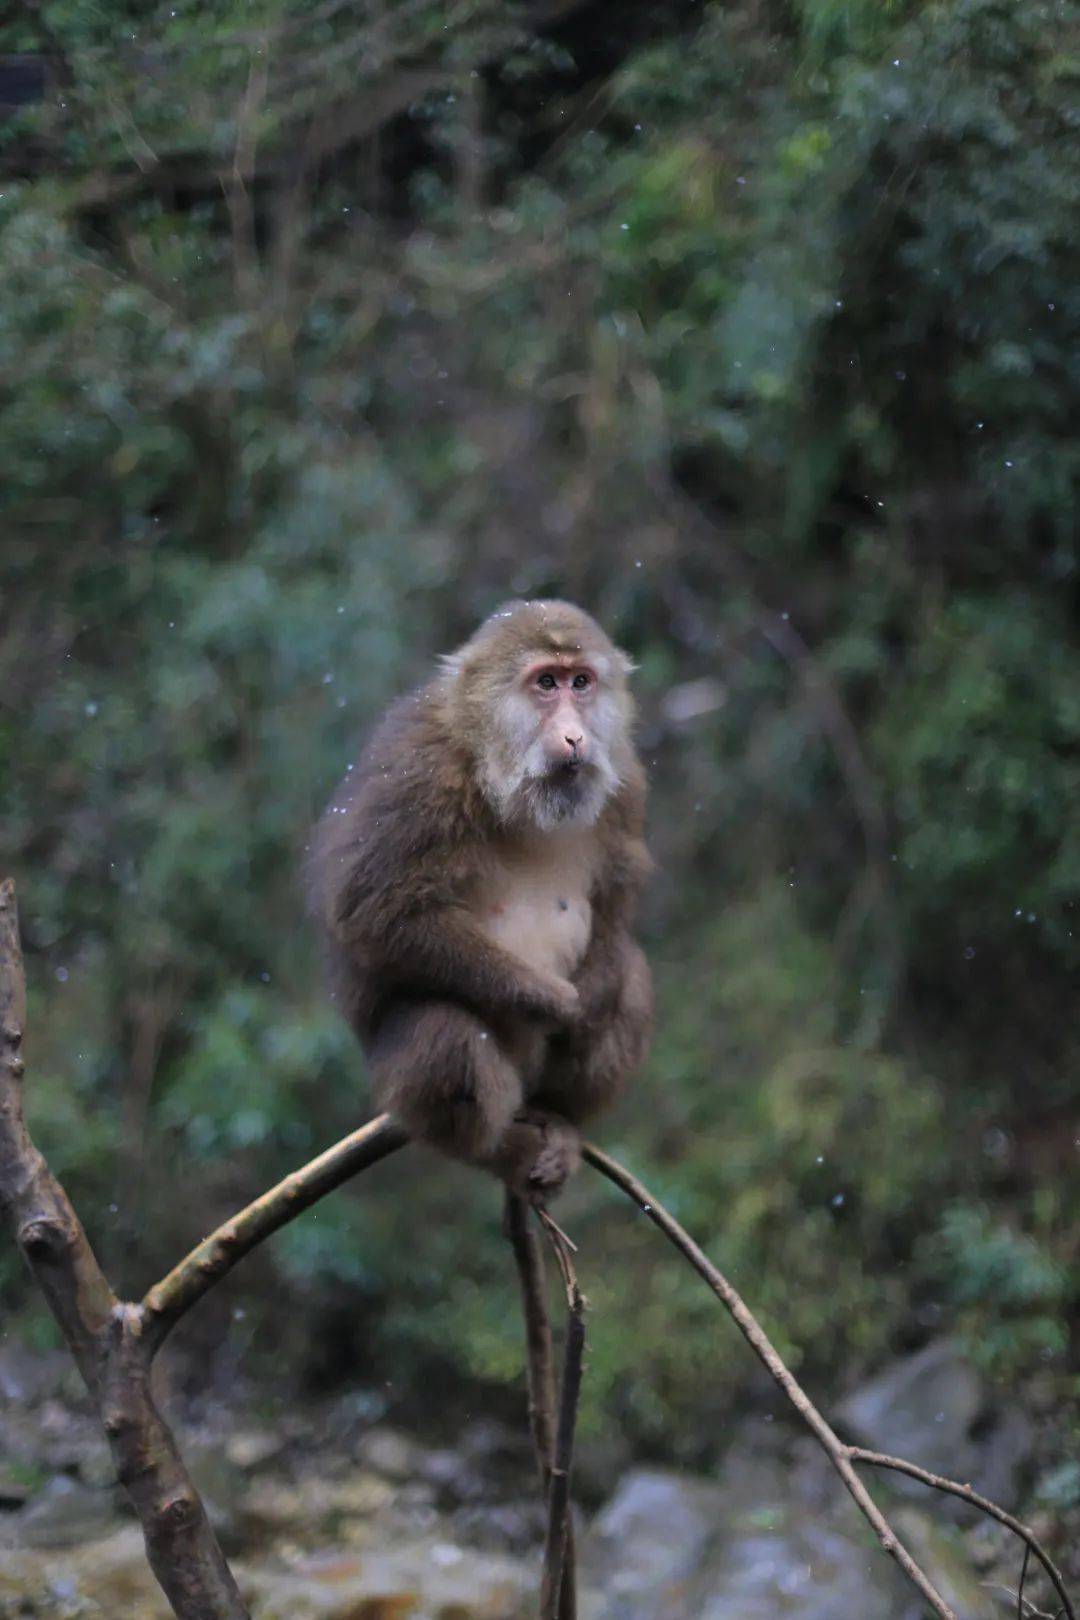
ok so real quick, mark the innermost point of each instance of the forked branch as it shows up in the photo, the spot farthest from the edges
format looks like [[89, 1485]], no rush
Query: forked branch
[[843, 1457], [105, 1336], [114, 1342]]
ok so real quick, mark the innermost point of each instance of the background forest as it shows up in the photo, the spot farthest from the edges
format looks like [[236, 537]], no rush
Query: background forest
[[755, 328]]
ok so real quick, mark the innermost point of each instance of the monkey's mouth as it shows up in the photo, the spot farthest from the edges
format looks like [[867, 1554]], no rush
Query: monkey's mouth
[[568, 773]]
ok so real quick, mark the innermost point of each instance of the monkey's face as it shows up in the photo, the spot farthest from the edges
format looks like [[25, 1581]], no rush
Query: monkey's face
[[550, 756], [539, 698]]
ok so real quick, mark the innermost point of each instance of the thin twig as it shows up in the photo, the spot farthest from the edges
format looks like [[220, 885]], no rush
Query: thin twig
[[558, 1543], [540, 1369], [539, 1358], [759, 1342], [843, 1457], [878, 1459]]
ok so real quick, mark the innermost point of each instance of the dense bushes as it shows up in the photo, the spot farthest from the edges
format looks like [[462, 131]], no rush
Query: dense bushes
[[755, 330]]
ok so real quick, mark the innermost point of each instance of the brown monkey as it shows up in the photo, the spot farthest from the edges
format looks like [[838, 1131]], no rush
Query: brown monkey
[[477, 876]]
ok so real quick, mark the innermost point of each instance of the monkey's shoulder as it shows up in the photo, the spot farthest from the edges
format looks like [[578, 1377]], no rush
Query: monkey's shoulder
[[623, 854], [411, 798]]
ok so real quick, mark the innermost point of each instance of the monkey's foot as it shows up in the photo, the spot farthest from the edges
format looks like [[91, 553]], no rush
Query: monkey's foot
[[538, 1155]]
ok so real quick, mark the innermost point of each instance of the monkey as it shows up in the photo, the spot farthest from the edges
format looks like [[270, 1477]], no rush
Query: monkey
[[476, 877]]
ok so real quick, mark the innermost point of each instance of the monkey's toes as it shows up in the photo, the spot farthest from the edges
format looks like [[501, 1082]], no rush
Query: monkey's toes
[[549, 1173], [539, 1153]]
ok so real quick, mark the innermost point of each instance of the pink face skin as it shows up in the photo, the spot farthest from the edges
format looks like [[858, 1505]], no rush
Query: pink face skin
[[562, 693]]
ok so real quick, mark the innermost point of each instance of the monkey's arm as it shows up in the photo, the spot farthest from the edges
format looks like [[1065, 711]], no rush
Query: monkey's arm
[[612, 954], [399, 886], [442, 952], [588, 1066]]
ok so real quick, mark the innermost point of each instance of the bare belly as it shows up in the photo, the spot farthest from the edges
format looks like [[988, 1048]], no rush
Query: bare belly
[[534, 900]]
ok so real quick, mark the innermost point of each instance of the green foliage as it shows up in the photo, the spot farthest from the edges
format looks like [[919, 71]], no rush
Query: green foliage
[[758, 332], [1010, 1294]]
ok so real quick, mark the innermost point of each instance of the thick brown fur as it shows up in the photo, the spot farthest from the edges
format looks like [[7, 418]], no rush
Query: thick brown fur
[[489, 1056]]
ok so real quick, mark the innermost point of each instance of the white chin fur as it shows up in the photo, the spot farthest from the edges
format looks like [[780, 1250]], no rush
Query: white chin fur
[[545, 802]]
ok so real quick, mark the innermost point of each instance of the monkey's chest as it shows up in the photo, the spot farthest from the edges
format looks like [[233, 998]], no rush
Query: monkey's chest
[[539, 908]]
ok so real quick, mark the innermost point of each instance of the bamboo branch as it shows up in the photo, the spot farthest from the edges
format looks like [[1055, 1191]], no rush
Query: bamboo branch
[[105, 1336]]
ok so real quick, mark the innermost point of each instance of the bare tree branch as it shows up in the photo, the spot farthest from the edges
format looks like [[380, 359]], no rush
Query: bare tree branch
[[763, 1348], [540, 1370], [105, 1336], [1032, 1545], [217, 1254], [558, 1543], [114, 1342]]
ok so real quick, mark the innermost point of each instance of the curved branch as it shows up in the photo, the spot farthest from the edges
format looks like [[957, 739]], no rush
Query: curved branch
[[766, 1352], [879, 1459], [842, 1456], [114, 1343], [216, 1255]]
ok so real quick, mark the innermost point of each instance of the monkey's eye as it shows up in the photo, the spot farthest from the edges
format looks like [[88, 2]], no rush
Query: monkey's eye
[[581, 682], [546, 683]]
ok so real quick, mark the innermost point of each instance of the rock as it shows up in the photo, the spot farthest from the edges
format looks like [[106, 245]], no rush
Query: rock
[[387, 1452], [922, 1407], [426, 1579], [645, 1548], [251, 1448], [796, 1565], [933, 1409], [63, 1514], [947, 1561], [279, 1506], [28, 1376], [107, 1577]]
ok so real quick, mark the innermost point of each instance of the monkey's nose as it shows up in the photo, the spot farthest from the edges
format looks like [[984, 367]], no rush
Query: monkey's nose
[[575, 742]]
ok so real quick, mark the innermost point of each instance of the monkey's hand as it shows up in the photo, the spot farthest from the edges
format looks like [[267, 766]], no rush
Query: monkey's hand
[[538, 1154], [563, 1005]]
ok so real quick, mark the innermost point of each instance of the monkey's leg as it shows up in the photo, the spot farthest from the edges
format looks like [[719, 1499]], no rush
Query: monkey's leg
[[586, 1070], [446, 1076], [439, 1070], [538, 1153]]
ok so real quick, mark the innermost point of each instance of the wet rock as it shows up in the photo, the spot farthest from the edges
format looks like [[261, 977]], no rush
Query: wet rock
[[388, 1452], [63, 1514], [429, 1579], [933, 1409], [646, 1547], [253, 1448]]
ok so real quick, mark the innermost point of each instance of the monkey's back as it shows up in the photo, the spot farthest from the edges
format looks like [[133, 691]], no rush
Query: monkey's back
[[401, 835]]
